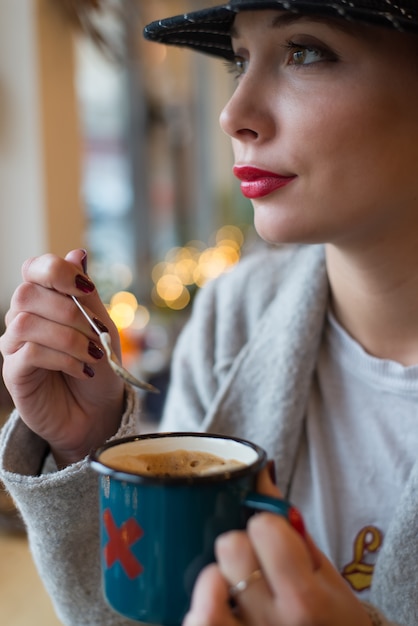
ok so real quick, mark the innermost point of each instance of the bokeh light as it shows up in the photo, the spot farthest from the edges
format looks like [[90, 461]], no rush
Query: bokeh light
[[183, 270], [186, 268], [126, 312]]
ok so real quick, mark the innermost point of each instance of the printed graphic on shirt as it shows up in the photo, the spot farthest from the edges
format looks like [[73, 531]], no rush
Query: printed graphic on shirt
[[359, 572]]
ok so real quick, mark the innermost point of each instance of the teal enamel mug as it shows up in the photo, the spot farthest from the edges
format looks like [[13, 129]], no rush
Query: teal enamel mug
[[158, 524]]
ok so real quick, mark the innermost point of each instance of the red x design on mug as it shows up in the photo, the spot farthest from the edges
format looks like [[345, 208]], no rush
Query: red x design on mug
[[119, 544]]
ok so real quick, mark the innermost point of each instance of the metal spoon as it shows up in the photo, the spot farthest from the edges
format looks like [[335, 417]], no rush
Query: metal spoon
[[112, 358]]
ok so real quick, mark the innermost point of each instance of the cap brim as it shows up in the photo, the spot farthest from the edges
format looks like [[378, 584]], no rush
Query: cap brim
[[208, 30], [205, 31]]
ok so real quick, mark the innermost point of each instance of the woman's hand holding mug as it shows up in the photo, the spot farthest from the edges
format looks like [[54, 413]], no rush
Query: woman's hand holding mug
[[277, 575]]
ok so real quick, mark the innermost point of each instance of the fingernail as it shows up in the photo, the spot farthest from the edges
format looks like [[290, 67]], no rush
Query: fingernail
[[84, 260], [271, 467], [100, 325], [296, 521], [88, 371], [95, 351], [84, 284]]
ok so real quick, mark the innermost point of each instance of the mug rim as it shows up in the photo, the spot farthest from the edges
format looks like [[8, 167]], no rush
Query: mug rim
[[126, 476]]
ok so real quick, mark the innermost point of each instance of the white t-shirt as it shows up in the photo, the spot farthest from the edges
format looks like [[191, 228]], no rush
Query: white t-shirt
[[358, 447]]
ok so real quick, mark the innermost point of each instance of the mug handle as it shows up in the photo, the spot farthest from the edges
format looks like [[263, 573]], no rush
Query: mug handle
[[260, 502]]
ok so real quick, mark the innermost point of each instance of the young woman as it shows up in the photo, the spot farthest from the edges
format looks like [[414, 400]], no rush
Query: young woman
[[311, 350]]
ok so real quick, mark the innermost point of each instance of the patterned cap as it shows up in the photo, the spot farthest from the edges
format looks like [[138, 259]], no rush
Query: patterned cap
[[208, 30]]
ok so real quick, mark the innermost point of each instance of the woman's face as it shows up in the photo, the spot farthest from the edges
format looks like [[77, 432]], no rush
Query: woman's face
[[331, 111]]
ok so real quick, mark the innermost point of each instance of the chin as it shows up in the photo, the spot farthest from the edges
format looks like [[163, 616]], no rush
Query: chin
[[276, 228], [273, 233], [273, 223]]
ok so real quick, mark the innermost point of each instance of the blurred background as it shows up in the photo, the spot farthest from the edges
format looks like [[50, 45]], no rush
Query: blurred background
[[111, 143]]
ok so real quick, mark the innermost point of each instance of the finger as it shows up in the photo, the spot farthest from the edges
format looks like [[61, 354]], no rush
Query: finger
[[78, 257], [302, 595], [53, 272], [237, 560], [63, 276], [35, 358], [266, 486], [285, 557], [66, 331], [47, 304], [210, 601], [29, 335]]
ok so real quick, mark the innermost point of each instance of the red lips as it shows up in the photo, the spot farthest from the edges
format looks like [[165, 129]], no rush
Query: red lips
[[256, 183]]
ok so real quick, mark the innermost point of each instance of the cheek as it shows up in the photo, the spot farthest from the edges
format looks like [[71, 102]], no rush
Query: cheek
[[331, 127], [358, 137]]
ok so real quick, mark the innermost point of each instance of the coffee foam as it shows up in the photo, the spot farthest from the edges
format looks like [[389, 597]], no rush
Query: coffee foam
[[176, 463]]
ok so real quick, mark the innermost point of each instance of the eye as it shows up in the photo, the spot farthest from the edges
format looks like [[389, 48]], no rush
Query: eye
[[237, 66], [300, 54]]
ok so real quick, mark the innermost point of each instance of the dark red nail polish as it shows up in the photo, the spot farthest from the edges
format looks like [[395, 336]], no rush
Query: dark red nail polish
[[296, 521], [88, 371], [95, 351], [100, 325], [84, 284]]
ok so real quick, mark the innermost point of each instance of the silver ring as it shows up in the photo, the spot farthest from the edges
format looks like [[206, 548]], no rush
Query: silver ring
[[242, 585]]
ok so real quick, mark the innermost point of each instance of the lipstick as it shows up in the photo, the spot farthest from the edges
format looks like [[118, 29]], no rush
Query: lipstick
[[257, 183]]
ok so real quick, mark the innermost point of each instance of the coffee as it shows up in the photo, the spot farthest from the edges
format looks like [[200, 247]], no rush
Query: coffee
[[176, 463], [157, 533]]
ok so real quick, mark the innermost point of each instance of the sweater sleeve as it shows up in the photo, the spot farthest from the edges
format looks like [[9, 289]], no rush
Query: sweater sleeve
[[60, 510]]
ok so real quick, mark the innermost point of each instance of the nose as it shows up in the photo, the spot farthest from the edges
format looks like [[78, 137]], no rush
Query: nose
[[247, 117]]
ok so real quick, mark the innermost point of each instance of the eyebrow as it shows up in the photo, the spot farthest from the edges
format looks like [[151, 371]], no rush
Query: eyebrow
[[286, 19]]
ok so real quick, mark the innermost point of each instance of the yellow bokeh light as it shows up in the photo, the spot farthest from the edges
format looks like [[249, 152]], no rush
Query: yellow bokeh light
[[122, 314], [229, 242], [184, 270], [172, 255], [199, 278], [212, 262], [182, 254], [181, 302], [194, 263], [159, 270], [141, 318], [230, 254], [124, 297], [195, 247], [230, 232], [156, 298], [169, 287]]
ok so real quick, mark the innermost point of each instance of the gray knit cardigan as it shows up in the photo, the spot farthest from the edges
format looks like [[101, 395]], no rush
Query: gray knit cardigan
[[242, 366]]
